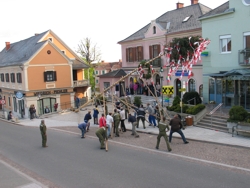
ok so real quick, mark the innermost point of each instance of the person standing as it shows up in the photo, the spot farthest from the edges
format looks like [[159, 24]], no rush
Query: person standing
[[43, 130], [146, 89], [176, 127], [158, 89], [102, 121], [87, 119], [162, 132], [101, 133], [109, 123], [77, 101], [46, 110], [122, 115], [157, 113], [82, 127], [141, 116], [95, 115], [127, 91], [131, 88], [117, 119], [151, 117], [132, 120], [31, 110]]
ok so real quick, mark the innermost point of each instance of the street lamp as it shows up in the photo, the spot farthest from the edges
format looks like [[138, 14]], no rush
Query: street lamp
[[161, 71]]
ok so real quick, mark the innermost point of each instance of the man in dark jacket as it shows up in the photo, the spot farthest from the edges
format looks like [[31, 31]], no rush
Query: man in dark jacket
[[141, 116], [176, 127], [132, 120], [82, 127], [43, 130], [162, 132], [87, 118]]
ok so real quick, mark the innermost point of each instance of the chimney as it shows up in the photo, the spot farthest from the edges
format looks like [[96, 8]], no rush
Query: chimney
[[179, 5], [7, 45], [193, 2], [37, 34]]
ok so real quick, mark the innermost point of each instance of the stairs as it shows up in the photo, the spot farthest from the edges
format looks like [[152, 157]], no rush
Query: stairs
[[150, 99], [216, 122]]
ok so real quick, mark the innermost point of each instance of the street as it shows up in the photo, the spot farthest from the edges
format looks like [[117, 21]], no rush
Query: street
[[73, 162]]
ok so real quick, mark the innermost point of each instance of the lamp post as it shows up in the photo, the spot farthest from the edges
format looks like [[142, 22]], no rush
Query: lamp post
[[161, 71]]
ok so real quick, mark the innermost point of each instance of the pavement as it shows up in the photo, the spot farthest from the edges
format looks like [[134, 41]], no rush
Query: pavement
[[16, 179]]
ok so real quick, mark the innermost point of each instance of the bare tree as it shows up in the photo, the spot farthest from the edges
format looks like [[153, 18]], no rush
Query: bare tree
[[90, 52]]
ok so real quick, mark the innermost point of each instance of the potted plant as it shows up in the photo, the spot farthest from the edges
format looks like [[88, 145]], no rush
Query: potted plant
[[236, 114]]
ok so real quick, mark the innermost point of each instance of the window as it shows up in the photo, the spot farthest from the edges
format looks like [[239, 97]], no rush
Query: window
[[96, 81], [247, 40], [134, 54], [96, 72], [7, 78], [50, 76], [154, 51], [51, 39], [186, 19], [103, 71], [63, 51], [2, 77], [12, 77], [225, 43], [9, 101], [201, 90], [19, 77], [191, 85], [154, 30]]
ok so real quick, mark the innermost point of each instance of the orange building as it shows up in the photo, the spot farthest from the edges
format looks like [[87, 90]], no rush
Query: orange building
[[41, 70]]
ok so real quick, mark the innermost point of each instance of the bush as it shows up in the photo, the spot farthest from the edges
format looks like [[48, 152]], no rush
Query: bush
[[195, 109], [190, 95], [176, 101], [238, 114], [137, 101]]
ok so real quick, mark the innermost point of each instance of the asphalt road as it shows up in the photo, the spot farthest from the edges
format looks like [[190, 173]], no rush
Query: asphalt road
[[73, 162]]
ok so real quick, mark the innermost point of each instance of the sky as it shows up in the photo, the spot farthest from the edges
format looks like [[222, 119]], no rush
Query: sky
[[104, 22]]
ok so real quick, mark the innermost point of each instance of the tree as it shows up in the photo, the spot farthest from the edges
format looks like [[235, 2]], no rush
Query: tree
[[90, 52]]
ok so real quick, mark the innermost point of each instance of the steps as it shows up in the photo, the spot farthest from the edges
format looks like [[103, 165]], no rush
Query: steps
[[216, 122], [150, 99]]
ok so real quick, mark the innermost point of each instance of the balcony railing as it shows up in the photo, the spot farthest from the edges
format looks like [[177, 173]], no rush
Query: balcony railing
[[157, 63], [244, 57], [80, 83]]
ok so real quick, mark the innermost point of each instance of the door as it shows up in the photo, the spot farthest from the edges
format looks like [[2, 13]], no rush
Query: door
[[122, 89]]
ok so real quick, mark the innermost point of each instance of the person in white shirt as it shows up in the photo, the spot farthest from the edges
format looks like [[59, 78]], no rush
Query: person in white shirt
[[109, 123], [122, 114]]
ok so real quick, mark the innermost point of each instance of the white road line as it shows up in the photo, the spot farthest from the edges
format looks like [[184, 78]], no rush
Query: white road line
[[166, 153]]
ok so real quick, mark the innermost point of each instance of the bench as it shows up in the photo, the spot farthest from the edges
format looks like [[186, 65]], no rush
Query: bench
[[241, 128]]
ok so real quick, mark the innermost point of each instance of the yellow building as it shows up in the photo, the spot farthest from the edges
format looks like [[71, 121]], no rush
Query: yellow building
[[41, 70]]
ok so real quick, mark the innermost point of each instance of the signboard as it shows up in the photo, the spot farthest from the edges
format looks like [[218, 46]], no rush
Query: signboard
[[185, 73], [168, 90], [2, 101], [182, 89], [19, 95]]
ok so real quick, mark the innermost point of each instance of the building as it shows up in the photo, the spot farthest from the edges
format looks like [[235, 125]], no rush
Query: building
[[41, 70], [150, 40], [226, 73]]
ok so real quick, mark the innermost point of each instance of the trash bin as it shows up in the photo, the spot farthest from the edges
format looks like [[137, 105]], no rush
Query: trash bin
[[189, 120]]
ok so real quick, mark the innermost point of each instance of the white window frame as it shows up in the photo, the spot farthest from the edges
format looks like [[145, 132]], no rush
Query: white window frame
[[223, 37], [96, 72], [244, 39]]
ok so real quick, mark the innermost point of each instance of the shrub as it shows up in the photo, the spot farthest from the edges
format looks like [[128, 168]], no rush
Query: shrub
[[137, 101], [237, 114], [190, 95], [176, 101], [195, 109]]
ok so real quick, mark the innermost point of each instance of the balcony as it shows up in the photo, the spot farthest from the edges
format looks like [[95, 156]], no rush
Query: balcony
[[244, 57], [80, 83], [157, 63]]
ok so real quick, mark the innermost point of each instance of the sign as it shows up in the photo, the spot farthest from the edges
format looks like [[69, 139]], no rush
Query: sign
[[185, 73], [51, 92], [167, 99], [2, 101], [182, 89], [168, 90], [19, 95]]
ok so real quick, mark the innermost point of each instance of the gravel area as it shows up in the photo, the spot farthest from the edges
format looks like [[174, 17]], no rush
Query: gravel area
[[229, 155]]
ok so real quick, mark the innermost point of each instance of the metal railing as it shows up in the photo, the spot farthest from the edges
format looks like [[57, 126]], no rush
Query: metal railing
[[79, 83], [214, 110], [191, 100], [244, 57]]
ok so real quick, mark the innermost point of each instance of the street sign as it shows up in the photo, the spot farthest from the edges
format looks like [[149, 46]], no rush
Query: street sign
[[2, 101], [182, 89]]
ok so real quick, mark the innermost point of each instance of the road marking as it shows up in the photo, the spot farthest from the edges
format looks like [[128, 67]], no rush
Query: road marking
[[166, 153]]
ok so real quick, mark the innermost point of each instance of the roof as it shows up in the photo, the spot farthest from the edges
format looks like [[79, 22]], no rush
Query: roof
[[175, 17], [219, 10], [232, 74], [114, 74], [20, 52]]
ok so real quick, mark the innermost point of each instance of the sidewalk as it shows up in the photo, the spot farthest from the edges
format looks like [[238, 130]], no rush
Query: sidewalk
[[191, 132]]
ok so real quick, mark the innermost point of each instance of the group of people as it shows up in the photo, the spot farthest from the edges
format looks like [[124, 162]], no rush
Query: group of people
[[32, 111], [140, 88]]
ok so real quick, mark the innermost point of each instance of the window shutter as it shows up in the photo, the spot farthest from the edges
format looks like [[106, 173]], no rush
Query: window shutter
[[54, 75], [127, 54], [20, 77], [141, 53], [136, 54], [45, 76], [150, 52]]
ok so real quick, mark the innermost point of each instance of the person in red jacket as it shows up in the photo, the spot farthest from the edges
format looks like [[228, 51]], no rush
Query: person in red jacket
[[102, 121]]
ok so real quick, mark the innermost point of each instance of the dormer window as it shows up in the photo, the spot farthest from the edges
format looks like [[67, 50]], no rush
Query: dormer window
[[168, 26], [51, 39], [186, 19], [63, 51], [154, 30]]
